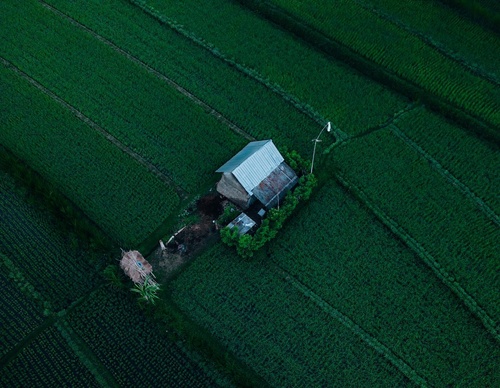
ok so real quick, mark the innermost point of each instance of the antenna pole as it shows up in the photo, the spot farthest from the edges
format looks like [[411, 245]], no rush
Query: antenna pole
[[316, 141]]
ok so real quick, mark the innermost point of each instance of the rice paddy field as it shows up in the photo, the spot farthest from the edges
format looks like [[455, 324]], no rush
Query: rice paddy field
[[388, 276]]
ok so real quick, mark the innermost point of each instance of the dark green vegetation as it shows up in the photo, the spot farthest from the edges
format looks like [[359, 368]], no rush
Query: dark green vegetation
[[62, 325], [334, 90], [435, 72], [387, 276], [336, 271], [57, 144], [482, 11]]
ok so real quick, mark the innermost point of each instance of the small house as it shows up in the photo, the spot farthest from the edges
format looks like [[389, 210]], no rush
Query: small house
[[257, 173]]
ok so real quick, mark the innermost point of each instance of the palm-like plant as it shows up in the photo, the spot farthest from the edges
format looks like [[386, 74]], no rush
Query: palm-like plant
[[147, 290]]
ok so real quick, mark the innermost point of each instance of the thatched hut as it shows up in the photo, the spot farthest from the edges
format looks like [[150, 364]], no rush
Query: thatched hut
[[135, 266]]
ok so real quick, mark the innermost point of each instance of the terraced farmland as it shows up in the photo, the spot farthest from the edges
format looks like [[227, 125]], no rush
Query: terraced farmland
[[387, 276]]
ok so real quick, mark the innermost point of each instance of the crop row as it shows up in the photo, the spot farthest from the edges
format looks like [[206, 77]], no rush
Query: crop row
[[46, 362], [340, 253], [117, 193], [298, 72], [484, 11], [42, 252], [465, 156], [243, 100], [444, 29], [400, 52], [268, 324], [19, 314], [130, 346], [131, 103], [439, 219]]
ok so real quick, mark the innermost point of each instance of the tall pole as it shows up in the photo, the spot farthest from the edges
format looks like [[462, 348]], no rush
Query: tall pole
[[316, 141]]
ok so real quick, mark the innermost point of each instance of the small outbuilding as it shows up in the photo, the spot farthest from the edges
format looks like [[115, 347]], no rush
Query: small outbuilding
[[257, 173], [243, 222], [135, 266]]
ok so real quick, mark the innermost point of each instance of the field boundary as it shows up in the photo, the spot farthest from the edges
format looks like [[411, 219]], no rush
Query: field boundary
[[394, 359], [134, 155], [52, 319], [251, 73], [476, 70], [413, 244], [156, 73], [446, 174], [390, 121], [94, 366], [386, 77]]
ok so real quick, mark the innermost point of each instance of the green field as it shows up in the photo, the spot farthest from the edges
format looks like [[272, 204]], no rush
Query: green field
[[48, 352], [61, 325], [338, 93], [155, 122], [243, 100], [392, 46], [115, 116], [445, 225], [347, 279], [96, 176]]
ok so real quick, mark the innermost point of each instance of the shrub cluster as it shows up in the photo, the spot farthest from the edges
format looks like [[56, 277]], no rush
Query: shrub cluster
[[246, 244]]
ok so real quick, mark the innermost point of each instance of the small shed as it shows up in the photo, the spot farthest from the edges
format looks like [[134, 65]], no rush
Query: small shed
[[257, 172], [243, 222]]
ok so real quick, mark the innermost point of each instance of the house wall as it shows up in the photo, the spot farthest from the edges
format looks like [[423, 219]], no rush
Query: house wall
[[230, 188]]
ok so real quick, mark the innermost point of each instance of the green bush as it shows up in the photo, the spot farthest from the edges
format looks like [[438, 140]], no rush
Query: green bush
[[246, 244]]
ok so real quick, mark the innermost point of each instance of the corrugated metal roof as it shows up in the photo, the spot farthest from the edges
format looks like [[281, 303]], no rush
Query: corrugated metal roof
[[253, 163], [276, 185]]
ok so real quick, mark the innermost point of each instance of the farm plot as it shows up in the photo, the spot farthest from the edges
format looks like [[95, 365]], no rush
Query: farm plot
[[45, 271], [133, 348], [36, 248], [261, 49], [47, 362], [116, 192], [432, 215], [455, 152], [129, 102], [402, 53], [19, 315], [273, 327], [439, 26], [336, 249], [246, 102]]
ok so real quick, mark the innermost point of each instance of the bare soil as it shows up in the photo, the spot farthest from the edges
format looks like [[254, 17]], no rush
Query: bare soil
[[188, 241]]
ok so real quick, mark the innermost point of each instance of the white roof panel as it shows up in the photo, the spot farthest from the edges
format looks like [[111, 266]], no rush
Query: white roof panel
[[253, 163]]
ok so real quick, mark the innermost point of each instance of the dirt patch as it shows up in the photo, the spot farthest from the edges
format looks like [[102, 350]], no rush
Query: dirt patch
[[188, 241]]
